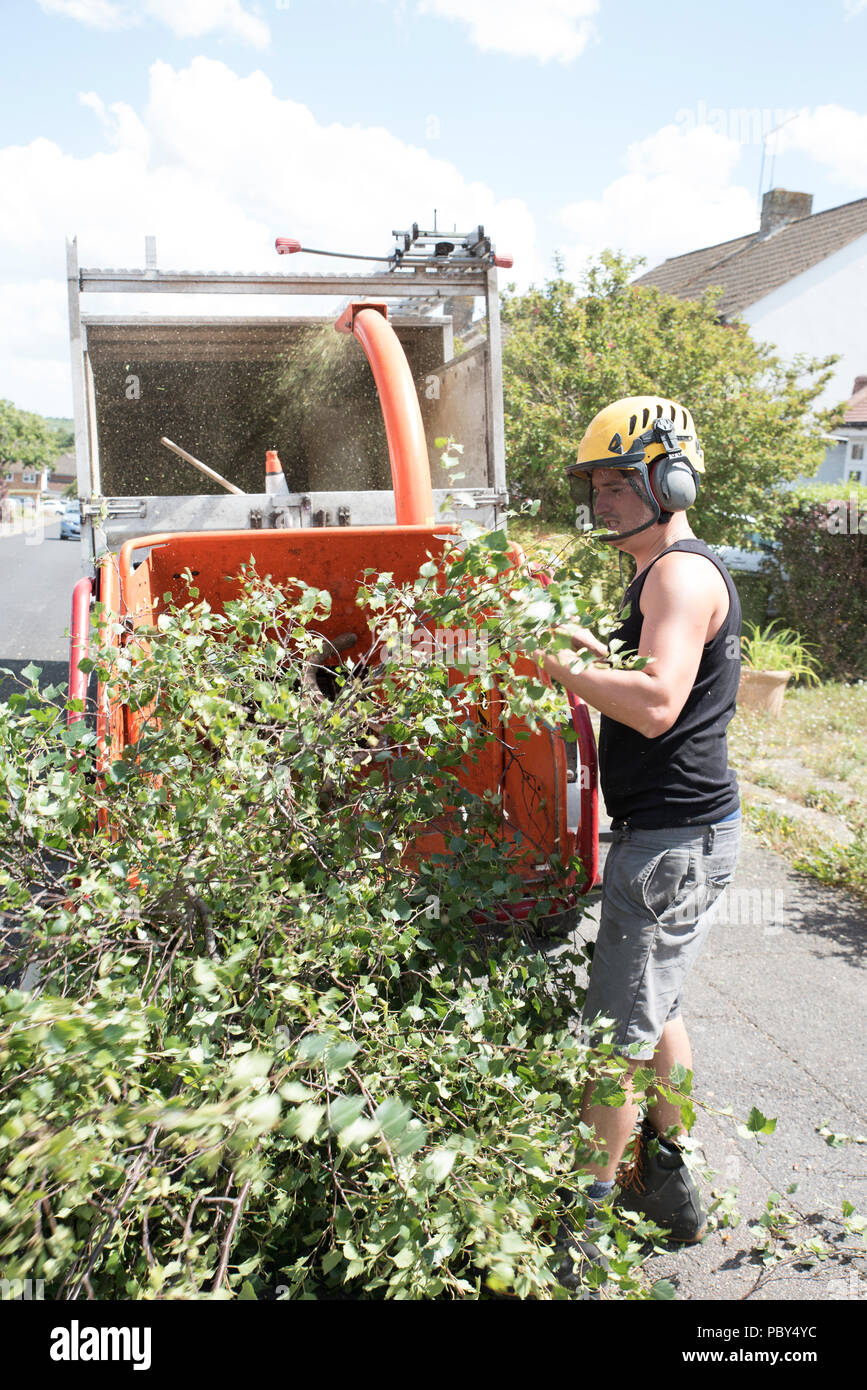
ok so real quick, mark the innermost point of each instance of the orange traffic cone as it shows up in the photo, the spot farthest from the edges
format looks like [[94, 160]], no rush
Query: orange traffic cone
[[275, 479]]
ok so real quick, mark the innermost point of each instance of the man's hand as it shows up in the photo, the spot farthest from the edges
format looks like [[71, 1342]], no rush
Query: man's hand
[[581, 638]]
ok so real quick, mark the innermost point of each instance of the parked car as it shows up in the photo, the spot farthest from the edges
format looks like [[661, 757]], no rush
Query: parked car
[[70, 523], [749, 557], [53, 506]]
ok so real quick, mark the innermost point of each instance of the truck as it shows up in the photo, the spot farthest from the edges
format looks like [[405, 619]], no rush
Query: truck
[[176, 411]]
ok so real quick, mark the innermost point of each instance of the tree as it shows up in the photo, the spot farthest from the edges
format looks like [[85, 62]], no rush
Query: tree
[[65, 431], [27, 438], [568, 353]]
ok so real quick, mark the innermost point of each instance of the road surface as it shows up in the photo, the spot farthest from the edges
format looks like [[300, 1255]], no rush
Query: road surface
[[37, 575]]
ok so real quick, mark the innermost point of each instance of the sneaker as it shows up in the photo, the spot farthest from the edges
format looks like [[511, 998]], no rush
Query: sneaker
[[578, 1254], [659, 1186]]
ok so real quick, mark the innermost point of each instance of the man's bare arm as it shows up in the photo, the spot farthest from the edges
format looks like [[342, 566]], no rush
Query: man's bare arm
[[680, 601]]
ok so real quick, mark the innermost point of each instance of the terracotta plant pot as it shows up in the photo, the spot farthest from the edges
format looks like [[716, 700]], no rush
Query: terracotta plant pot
[[762, 689]]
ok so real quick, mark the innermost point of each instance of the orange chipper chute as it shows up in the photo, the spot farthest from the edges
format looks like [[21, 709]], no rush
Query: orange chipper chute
[[404, 427]]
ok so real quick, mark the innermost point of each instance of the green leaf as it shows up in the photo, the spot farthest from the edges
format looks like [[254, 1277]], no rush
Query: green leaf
[[304, 1122], [438, 1164], [392, 1117], [497, 540], [344, 1110], [759, 1124], [312, 1046], [663, 1290], [251, 1065], [340, 1054], [687, 1115], [644, 1078], [260, 1114], [681, 1078]]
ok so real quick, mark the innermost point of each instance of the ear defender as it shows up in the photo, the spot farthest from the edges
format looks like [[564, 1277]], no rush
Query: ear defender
[[672, 477], [674, 484]]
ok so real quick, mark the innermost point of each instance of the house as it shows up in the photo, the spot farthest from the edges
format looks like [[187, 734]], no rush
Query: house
[[26, 480], [61, 474], [800, 282], [848, 458]]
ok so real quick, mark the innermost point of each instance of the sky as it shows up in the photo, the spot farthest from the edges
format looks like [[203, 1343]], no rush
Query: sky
[[564, 126]]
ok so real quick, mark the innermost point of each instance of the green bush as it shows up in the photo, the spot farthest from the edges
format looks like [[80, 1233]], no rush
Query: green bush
[[755, 594], [819, 575]]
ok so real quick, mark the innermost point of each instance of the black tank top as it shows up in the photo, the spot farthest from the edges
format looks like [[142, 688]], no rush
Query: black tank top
[[682, 777]]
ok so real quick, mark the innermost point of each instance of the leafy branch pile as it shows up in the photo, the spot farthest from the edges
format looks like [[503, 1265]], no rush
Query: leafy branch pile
[[251, 1043]]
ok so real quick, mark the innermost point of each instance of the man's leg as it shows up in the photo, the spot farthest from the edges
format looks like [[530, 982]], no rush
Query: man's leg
[[673, 1047], [659, 1185], [613, 1125], [623, 982]]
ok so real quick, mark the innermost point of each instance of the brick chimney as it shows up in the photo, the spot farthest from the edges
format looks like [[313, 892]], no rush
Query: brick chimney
[[780, 207], [860, 383]]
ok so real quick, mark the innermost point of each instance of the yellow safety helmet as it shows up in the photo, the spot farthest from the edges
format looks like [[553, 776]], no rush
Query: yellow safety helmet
[[653, 438]]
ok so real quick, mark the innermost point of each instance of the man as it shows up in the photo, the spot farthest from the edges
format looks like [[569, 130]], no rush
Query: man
[[666, 783]]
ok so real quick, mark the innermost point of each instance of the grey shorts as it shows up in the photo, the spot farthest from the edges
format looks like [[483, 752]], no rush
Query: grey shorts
[[657, 891]]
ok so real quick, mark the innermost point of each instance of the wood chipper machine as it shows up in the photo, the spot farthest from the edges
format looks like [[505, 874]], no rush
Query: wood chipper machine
[[163, 398]]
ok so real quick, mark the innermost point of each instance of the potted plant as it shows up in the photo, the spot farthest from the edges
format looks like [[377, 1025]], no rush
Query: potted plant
[[770, 657]]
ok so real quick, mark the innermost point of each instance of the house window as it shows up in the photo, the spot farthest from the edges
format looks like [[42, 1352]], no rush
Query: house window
[[8, 476], [854, 475], [28, 476], [857, 452]]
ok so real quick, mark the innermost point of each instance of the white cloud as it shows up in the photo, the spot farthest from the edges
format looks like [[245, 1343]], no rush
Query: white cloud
[[38, 313], [216, 166], [835, 137], [546, 29], [854, 7], [100, 14], [191, 19], [676, 196], [123, 128], [187, 19]]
